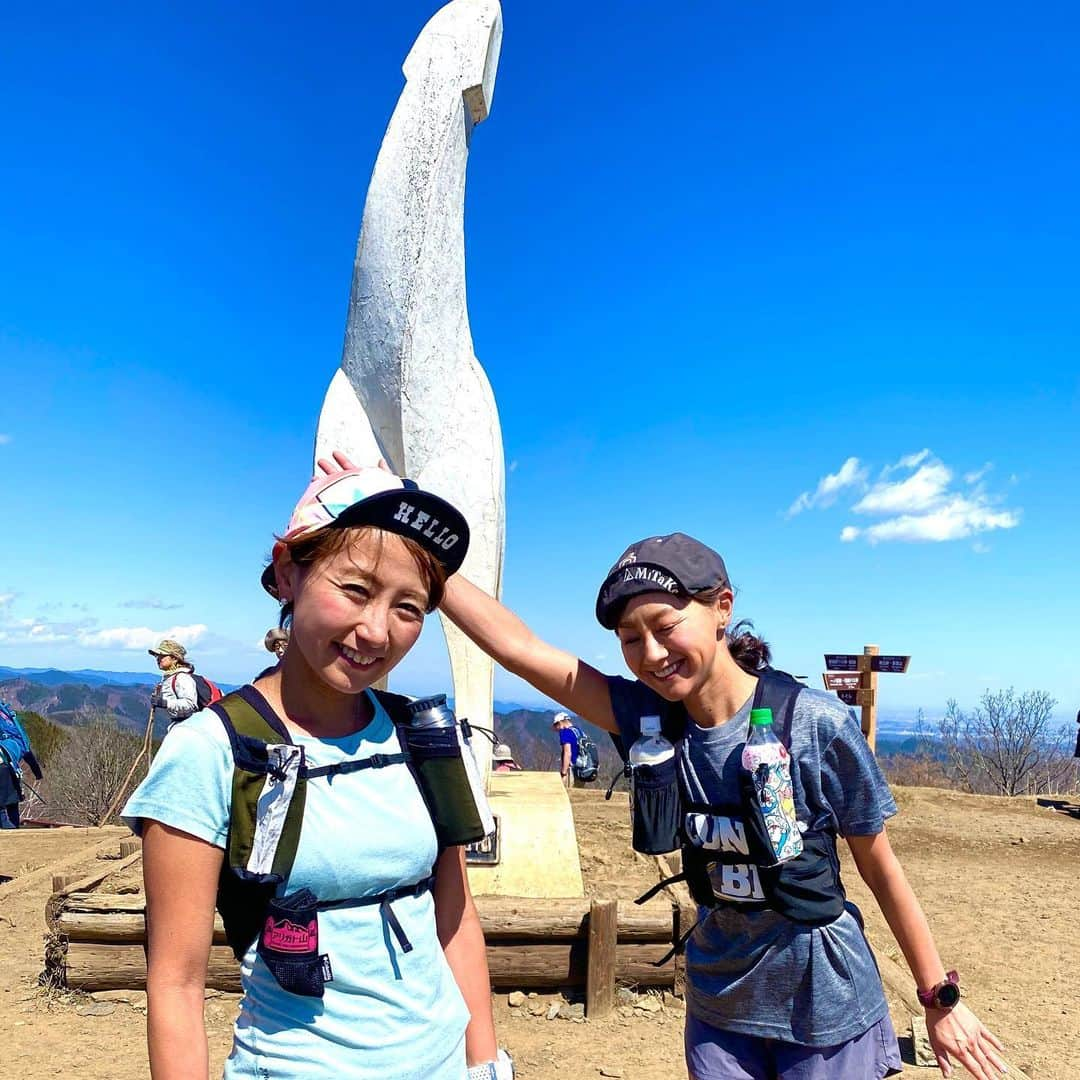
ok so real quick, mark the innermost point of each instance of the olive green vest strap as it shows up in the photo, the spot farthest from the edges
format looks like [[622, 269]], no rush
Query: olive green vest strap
[[243, 896]]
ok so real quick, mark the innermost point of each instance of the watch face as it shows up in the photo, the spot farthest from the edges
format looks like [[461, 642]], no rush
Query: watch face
[[947, 996]]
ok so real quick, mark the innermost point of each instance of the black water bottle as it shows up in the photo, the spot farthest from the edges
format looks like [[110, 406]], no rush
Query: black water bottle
[[432, 738]]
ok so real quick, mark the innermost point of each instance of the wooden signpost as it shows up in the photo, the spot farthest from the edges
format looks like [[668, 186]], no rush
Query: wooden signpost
[[853, 678]]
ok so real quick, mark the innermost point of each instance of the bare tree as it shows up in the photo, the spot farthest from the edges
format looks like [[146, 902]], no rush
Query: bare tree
[[90, 769], [1007, 744]]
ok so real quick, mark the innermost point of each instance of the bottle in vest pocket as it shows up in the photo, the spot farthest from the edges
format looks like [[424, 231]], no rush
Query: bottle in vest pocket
[[454, 796], [655, 806], [766, 760]]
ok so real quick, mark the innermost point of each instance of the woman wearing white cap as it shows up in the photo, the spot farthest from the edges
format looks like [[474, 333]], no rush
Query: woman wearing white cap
[[389, 976]]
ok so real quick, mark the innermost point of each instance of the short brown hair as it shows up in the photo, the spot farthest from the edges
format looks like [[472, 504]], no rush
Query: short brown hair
[[325, 543]]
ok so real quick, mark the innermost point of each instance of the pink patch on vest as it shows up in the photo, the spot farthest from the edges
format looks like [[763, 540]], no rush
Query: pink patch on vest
[[287, 936]]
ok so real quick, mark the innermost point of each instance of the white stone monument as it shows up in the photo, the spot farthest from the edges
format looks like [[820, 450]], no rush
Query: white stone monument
[[410, 388]]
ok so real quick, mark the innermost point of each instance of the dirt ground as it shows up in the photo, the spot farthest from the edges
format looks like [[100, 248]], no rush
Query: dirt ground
[[998, 880]]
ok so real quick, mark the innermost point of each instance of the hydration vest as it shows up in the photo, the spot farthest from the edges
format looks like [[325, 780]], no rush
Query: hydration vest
[[269, 786], [713, 837]]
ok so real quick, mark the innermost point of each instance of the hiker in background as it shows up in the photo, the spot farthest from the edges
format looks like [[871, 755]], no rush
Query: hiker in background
[[181, 691], [14, 750], [502, 759], [563, 723], [348, 905], [276, 641]]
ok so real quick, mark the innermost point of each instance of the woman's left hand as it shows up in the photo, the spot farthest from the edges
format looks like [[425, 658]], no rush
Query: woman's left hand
[[957, 1034]]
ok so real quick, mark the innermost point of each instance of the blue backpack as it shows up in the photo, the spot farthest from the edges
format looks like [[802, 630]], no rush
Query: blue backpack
[[13, 736]]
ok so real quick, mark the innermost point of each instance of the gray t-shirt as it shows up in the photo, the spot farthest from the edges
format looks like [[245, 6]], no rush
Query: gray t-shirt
[[757, 972]]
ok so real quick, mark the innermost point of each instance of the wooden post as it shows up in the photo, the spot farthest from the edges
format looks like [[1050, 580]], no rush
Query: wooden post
[[60, 882], [600, 973], [129, 847], [868, 681]]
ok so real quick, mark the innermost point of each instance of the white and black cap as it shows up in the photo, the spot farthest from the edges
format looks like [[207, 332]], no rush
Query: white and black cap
[[676, 564]]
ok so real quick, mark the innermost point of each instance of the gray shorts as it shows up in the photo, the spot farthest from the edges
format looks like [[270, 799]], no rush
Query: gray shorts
[[713, 1054]]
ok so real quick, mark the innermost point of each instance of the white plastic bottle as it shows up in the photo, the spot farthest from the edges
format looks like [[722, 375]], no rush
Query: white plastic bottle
[[767, 760], [654, 792]]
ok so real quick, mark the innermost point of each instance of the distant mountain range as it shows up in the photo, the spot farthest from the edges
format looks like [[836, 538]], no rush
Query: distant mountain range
[[67, 696]]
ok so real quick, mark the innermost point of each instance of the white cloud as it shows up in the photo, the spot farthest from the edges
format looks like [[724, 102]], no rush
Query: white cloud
[[4, 439], [6, 599], [956, 520], [921, 491], [149, 602], [918, 500], [140, 637], [850, 474]]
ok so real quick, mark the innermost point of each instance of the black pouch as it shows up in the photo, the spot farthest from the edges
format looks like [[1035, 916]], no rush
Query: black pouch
[[289, 944], [656, 807]]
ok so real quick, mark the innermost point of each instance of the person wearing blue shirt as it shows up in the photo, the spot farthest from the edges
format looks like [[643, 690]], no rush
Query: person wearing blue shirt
[[563, 723], [405, 993]]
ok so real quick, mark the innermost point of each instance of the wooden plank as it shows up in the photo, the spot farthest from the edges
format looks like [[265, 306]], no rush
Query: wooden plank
[[55, 904], [35, 878], [113, 927], [123, 967], [502, 918], [600, 975]]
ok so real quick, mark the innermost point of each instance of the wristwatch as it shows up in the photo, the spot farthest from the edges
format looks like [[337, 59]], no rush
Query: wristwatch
[[502, 1068], [943, 996]]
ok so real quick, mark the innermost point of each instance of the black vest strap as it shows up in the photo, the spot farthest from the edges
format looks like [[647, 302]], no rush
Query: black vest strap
[[375, 761]]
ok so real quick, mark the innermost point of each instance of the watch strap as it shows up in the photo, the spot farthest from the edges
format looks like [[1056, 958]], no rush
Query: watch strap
[[929, 998]]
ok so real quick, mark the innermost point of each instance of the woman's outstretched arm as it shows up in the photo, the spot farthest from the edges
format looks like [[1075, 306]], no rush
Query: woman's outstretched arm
[[181, 874], [956, 1034], [504, 637]]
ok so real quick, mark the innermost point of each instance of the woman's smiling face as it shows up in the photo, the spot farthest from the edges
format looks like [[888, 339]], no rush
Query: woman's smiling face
[[357, 612], [670, 643]]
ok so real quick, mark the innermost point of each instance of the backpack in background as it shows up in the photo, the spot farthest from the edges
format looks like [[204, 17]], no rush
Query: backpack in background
[[206, 692], [586, 765]]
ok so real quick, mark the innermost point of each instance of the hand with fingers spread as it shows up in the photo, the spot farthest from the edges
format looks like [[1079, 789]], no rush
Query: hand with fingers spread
[[341, 463], [957, 1034]]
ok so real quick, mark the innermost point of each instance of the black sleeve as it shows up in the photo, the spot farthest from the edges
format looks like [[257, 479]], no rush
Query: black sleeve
[[32, 761]]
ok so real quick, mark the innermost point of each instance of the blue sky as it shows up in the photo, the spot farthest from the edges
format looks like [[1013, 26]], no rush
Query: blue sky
[[797, 279]]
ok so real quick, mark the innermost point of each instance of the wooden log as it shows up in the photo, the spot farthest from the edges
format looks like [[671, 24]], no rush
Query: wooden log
[[58, 900], [130, 847], [123, 967], [600, 975], [113, 927], [502, 918], [61, 881]]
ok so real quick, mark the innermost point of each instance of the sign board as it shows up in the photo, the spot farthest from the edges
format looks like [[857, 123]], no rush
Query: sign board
[[896, 664], [842, 680], [484, 852], [842, 661], [856, 697]]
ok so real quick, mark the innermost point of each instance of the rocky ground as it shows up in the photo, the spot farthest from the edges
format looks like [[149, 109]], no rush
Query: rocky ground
[[997, 878]]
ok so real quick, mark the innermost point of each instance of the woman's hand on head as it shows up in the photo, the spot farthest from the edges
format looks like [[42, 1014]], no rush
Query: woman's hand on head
[[959, 1035], [341, 463]]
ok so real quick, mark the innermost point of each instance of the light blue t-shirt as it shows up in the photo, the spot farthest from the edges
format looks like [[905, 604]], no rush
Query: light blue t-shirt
[[755, 971], [386, 1015]]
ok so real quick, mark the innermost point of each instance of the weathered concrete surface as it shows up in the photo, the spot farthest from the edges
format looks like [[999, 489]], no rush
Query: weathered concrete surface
[[410, 387], [538, 841]]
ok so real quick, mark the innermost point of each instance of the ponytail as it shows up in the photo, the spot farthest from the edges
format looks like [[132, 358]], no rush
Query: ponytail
[[750, 652]]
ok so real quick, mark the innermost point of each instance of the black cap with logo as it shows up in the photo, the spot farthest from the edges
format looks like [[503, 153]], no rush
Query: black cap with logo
[[676, 564]]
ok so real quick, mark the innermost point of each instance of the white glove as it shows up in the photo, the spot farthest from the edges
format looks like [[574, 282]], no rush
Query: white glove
[[502, 1068]]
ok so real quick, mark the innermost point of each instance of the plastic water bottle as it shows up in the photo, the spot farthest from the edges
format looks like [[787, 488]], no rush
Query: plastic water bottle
[[654, 790], [767, 760]]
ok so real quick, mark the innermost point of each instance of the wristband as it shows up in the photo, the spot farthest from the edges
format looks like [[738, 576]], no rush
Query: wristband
[[502, 1068]]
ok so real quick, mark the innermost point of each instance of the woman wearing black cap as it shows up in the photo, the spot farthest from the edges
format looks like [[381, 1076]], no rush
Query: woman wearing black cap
[[291, 805], [781, 980]]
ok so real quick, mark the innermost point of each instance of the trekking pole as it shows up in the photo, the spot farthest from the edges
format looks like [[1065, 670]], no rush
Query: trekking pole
[[148, 739]]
